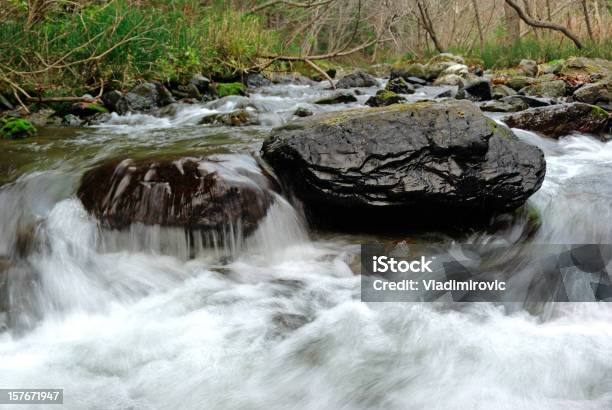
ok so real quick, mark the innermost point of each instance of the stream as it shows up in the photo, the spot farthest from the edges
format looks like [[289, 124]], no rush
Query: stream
[[130, 321]]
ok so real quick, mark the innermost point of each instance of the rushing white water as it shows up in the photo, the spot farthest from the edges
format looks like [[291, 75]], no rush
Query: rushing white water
[[129, 321]]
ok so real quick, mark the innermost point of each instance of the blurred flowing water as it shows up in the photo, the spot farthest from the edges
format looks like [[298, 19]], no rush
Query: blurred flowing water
[[130, 320]]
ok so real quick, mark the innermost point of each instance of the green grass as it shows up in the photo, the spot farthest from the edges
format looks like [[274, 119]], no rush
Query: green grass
[[163, 41], [495, 55]]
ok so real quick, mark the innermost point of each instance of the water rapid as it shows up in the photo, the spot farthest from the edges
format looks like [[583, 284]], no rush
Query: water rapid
[[139, 320]]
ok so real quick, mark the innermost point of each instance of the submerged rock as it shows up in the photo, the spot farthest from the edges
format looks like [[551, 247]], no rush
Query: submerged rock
[[338, 98], [234, 118], [384, 98], [234, 102], [195, 193], [357, 79], [427, 163], [558, 120], [302, 112]]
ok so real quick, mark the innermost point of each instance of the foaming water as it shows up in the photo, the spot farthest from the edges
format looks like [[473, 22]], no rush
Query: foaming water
[[157, 318]]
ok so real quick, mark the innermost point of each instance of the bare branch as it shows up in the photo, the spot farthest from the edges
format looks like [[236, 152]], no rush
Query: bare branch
[[544, 24]]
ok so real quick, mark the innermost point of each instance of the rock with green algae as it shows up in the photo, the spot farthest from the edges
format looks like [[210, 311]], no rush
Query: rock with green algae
[[400, 86], [16, 128], [584, 66], [405, 71], [384, 98], [225, 89], [563, 119]]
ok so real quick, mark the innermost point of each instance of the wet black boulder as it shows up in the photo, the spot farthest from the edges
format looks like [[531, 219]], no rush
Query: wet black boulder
[[195, 193], [421, 164]]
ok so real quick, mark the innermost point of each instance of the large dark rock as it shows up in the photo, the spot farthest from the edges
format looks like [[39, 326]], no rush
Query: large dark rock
[[142, 98], [427, 163], [357, 79], [195, 193], [478, 89], [558, 120]]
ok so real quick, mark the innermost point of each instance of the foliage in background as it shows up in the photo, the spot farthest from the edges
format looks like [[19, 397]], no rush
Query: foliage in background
[[495, 55], [117, 43]]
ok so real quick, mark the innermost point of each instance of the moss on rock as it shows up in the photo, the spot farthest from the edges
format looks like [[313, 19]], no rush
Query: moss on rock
[[225, 89], [16, 128]]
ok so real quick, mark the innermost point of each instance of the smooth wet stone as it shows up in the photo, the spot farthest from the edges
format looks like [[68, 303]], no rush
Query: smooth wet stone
[[427, 163], [194, 193]]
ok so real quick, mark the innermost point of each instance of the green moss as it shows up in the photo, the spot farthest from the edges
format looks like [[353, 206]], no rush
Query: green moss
[[97, 107], [225, 89], [16, 128], [386, 94], [504, 132], [340, 117], [599, 112], [533, 217]]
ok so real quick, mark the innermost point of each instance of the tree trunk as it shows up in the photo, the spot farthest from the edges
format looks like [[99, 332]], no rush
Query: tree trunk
[[513, 24], [587, 19], [475, 4], [544, 24], [428, 25]]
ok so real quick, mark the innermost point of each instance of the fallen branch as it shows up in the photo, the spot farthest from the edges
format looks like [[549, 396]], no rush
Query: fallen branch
[[320, 71], [327, 56], [290, 4], [544, 24]]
